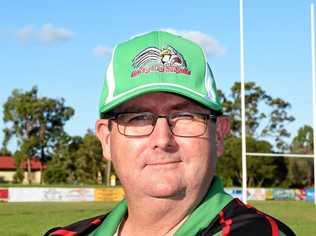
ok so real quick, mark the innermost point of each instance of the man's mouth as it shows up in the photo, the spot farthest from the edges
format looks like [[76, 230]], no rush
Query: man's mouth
[[163, 164]]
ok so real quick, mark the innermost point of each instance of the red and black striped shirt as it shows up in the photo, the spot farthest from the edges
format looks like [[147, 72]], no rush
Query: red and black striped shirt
[[217, 214]]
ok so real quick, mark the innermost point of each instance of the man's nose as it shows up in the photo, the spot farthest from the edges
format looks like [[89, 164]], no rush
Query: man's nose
[[162, 136]]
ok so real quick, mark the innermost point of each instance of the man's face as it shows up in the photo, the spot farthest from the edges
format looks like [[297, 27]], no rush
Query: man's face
[[160, 165]]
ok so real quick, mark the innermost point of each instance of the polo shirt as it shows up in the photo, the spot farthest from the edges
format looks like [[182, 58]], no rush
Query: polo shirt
[[214, 201], [218, 214]]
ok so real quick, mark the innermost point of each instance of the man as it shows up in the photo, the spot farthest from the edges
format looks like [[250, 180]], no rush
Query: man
[[161, 126]]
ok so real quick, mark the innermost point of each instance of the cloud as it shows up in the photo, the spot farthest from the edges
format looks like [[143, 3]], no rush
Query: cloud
[[208, 43], [25, 34], [101, 50], [48, 33]]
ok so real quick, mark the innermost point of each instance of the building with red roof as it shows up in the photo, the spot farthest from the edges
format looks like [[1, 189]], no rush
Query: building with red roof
[[8, 168]]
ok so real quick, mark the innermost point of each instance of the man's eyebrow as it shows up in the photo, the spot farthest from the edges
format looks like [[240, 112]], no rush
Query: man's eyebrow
[[139, 108], [133, 108], [185, 104]]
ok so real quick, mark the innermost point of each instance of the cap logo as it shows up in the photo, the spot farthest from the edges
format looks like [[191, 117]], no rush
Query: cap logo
[[153, 59]]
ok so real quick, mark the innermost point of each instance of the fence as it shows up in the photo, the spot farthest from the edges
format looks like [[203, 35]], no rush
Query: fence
[[38, 194]]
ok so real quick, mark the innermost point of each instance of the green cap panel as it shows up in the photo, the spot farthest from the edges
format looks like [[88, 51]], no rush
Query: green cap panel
[[158, 62]]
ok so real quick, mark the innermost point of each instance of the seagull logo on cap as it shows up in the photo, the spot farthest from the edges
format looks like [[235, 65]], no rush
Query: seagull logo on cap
[[153, 59]]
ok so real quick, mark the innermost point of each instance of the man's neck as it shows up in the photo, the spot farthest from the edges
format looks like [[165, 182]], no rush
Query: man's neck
[[157, 216]]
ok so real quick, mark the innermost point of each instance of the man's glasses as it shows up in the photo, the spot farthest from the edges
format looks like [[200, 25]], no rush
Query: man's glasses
[[182, 124]]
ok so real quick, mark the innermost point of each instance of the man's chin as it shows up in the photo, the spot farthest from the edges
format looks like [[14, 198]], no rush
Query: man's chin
[[165, 191]]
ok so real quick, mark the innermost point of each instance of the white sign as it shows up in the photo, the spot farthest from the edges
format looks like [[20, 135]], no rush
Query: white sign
[[256, 194], [51, 194]]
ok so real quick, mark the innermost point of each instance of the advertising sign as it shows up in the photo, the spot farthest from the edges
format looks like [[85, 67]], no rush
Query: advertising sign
[[4, 194], [256, 194], [50, 194], [235, 192], [283, 194], [109, 194], [300, 194], [309, 194]]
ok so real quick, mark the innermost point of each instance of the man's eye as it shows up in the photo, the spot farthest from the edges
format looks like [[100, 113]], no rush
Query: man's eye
[[139, 119], [187, 117], [182, 116]]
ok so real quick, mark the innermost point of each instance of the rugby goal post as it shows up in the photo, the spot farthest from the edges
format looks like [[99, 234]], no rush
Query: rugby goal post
[[242, 95]]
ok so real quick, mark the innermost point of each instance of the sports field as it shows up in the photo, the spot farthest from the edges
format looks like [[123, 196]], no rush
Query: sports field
[[31, 219]]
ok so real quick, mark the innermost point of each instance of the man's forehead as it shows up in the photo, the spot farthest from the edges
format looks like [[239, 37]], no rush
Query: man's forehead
[[159, 100]]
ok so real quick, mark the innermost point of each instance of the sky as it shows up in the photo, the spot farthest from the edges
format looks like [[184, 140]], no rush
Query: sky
[[64, 47]]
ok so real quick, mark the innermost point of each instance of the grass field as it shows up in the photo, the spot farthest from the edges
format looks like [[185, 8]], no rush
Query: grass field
[[31, 219]]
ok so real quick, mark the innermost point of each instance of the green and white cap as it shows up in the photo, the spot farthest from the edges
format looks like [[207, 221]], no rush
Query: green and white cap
[[158, 62]]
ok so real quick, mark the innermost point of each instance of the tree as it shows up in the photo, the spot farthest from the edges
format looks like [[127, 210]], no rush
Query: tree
[[19, 173], [261, 171], [265, 116], [62, 168], [36, 123], [77, 160], [303, 141], [301, 170], [5, 152], [90, 162]]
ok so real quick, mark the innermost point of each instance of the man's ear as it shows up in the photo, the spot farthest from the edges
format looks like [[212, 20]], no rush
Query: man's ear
[[103, 133], [222, 129]]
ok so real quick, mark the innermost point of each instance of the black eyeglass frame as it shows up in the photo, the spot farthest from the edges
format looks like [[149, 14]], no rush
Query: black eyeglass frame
[[114, 116]]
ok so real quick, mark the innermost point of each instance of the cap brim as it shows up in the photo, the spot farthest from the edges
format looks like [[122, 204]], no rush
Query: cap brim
[[152, 88]]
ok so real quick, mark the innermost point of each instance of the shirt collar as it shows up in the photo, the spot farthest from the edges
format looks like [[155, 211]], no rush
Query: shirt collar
[[214, 201]]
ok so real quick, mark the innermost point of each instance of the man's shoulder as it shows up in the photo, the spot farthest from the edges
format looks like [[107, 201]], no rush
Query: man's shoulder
[[237, 218], [82, 227]]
